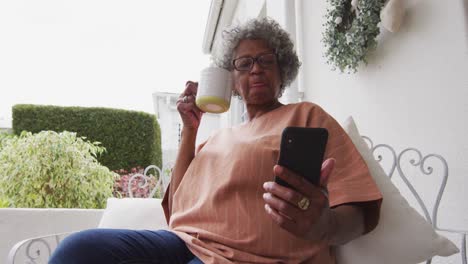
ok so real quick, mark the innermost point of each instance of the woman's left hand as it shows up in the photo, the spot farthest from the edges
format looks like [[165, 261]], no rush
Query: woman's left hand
[[305, 211]]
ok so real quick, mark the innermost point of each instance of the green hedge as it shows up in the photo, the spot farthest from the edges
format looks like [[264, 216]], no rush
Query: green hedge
[[131, 138]]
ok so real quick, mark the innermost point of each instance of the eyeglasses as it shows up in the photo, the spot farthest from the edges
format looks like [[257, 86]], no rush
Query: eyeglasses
[[265, 61]]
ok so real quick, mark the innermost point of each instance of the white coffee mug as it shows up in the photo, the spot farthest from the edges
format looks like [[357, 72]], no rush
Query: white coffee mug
[[214, 90]]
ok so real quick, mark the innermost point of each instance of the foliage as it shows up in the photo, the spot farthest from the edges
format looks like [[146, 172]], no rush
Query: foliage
[[131, 138], [350, 32], [5, 136], [4, 203], [50, 169]]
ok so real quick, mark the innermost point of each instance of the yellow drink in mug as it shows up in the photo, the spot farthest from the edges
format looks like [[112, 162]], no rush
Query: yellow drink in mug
[[214, 90]]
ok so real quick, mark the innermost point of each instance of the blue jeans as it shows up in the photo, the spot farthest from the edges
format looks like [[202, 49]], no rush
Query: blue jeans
[[121, 246]]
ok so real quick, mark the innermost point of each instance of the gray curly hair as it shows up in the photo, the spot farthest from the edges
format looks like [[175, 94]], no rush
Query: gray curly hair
[[277, 39]]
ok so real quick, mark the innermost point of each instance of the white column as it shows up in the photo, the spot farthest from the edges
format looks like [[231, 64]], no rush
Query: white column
[[284, 12]]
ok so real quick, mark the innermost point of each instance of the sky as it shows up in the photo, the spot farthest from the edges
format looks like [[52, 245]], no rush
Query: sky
[[107, 53]]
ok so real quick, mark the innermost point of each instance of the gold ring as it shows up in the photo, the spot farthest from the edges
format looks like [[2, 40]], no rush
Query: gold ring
[[304, 203]]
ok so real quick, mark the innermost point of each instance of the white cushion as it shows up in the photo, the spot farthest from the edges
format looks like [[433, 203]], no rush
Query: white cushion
[[133, 213], [402, 235]]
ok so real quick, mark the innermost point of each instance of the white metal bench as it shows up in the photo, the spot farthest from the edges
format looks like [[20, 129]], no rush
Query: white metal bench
[[38, 250]]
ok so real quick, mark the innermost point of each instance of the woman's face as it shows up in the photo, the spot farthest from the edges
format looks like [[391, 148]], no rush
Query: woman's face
[[260, 84]]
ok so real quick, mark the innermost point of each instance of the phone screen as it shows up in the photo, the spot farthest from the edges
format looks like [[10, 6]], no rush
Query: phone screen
[[302, 151]]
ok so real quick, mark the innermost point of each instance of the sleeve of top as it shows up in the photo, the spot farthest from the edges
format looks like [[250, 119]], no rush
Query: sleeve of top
[[350, 181], [167, 194], [165, 204]]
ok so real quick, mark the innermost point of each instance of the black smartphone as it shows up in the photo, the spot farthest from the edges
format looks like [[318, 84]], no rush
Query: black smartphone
[[302, 151]]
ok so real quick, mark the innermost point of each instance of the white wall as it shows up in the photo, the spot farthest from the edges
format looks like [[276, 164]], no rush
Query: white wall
[[413, 92]]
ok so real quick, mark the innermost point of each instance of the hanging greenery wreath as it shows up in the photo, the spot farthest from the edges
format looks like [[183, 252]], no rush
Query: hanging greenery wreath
[[350, 32]]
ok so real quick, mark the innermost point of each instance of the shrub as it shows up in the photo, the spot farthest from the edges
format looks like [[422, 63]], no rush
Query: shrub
[[4, 136], [131, 138], [4, 203], [50, 169]]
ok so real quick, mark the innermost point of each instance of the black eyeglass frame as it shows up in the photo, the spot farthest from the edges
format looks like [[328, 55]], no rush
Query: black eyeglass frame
[[255, 60]]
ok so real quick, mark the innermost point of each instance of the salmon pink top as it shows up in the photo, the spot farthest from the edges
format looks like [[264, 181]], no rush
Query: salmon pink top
[[218, 209]]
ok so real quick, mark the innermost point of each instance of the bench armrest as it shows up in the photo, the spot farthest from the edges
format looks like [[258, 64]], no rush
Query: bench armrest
[[35, 250]]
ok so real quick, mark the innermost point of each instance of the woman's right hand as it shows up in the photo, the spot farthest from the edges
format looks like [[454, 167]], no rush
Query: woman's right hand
[[188, 110]]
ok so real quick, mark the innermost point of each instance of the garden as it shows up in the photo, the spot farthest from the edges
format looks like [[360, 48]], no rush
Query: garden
[[76, 157]]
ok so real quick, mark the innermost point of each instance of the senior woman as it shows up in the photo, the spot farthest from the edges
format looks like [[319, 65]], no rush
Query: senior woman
[[222, 201], [222, 205]]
